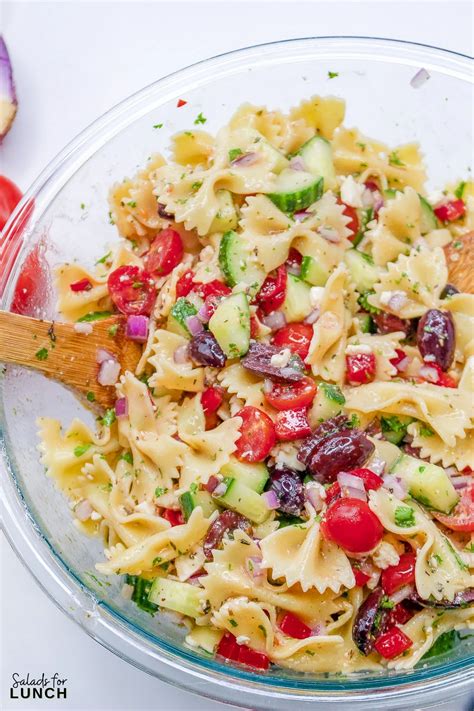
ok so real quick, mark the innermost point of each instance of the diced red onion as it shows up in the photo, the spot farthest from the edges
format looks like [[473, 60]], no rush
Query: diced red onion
[[246, 159], [254, 567], [137, 328], [313, 495], [351, 486], [397, 301], [220, 489], [267, 385], [312, 317], [395, 485], [378, 204], [330, 234], [301, 215], [319, 629], [203, 313], [109, 372], [429, 374], [420, 78], [271, 499], [275, 320], [181, 354], [121, 407], [7, 91], [83, 510], [294, 269], [402, 594], [84, 328], [194, 325], [297, 163], [459, 482], [403, 364], [103, 355], [212, 483]]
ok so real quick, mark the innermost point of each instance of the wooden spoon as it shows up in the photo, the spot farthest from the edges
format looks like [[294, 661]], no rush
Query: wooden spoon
[[58, 351]]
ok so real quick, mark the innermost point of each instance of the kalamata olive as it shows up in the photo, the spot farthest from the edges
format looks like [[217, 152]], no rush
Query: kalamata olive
[[288, 487], [388, 323], [311, 442], [339, 452], [205, 350], [227, 521], [436, 337], [460, 599], [163, 212], [369, 622], [258, 360], [449, 290]]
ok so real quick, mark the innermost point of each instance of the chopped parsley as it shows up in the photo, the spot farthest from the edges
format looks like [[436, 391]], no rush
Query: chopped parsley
[[83, 206], [195, 186], [132, 203], [112, 330], [425, 430], [105, 258], [234, 153], [159, 491], [199, 119], [233, 622], [94, 316], [404, 516], [460, 190], [127, 457], [109, 418], [394, 159], [386, 603], [42, 354], [333, 75], [81, 449], [90, 396], [157, 125]]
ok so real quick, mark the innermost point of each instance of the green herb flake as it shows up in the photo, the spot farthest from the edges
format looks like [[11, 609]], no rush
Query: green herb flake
[[394, 159], [112, 330], [157, 125], [105, 258], [386, 603], [199, 119], [159, 491], [81, 449], [425, 430], [132, 203], [234, 153], [94, 316], [404, 516], [109, 418], [333, 75], [460, 190], [83, 206], [233, 622], [127, 457], [42, 354], [90, 396]]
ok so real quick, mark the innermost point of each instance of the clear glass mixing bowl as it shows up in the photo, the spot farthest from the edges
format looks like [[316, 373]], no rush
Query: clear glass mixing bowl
[[374, 78]]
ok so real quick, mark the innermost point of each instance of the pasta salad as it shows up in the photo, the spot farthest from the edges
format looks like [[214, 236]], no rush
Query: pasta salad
[[289, 469]]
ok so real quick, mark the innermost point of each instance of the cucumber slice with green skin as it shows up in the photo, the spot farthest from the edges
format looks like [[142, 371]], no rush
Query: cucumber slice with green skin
[[394, 428], [141, 590], [255, 476], [243, 500], [317, 156], [190, 499], [181, 311], [180, 597], [206, 638], [328, 402], [427, 483], [297, 303], [363, 271], [313, 272], [230, 325], [428, 219], [237, 264], [390, 193], [276, 161], [296, 190], [226, 217], [366, 323]]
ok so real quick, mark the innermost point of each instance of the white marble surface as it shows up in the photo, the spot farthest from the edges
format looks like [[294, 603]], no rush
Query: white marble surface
[[73, 60]]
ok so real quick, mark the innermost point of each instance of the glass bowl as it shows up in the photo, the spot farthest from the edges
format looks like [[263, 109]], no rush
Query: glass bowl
[[374, 78]]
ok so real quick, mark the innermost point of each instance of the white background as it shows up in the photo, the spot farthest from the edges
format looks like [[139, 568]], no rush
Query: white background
[[73, 61]]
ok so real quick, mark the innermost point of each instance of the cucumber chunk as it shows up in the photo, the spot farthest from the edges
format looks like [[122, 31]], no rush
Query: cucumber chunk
[[230, 325], [226, 217], [363, 271], [297, 304], [328, 402], [317, 155], [237, 264], [366, 323], [313, 272], [427, 483], [395, 428], [206, 638], [296, 190], [254, 476], [244, 500], [181, 311], [428, 219], [190, 499], [180, 597], [276, 160]]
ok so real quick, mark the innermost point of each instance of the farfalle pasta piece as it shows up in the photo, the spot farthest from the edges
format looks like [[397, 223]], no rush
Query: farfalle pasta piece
[[462, 308], [169, 374], [285, 133], [415, 287], [322, 113], [192, 148], [167, 292], [300, 554], [245, 385], [251, 622]]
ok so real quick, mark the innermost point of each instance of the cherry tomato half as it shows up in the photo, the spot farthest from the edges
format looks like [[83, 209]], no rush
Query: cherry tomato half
[[450, 211], [462, 518], [166, 252], [212, 288], [350, 212], [352, 525], [370, 479], [292, 424], [296, 336], [396, 576], [185, 284], [132, 290], [272, 292], [288, 396], [361, 368], [211, 399], [175, 518], [10, 196], [258, 435]]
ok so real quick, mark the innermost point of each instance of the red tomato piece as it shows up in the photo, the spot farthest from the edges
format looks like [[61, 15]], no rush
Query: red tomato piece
[[401, 355], [258, 435], [294, 259], [441, 378], [213, 288], [352, 525], [399, 615], [254, 327], [462, 518], [252, 658], [333, 492], [294, 627], [132, 290], [361, 578], [181, 102], [350, 212], [370, 479], [174, 517], [228, 647], [289, 396], [292, 424], [165, 253], [212, 420], [185, 284], [450, 211], [81, 285], [396, 576], [296, 336], [361, 368], [211, 399], [392, 643], [272, 292], [10, 196]]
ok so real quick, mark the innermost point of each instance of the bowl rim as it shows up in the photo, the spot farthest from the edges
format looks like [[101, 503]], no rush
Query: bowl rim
[[60, 583]]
